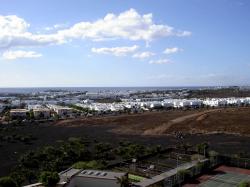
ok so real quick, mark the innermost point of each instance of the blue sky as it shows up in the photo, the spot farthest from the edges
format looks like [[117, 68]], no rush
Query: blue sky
[[124, 43]]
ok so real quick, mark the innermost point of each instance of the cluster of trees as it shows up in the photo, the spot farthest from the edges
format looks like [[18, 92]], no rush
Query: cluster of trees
[[16, 137], [44, 163], [222, 92], [128, 150], [85, 110]]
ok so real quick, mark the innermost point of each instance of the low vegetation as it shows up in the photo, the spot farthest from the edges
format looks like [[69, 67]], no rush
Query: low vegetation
[[44, 163], [48, 178]]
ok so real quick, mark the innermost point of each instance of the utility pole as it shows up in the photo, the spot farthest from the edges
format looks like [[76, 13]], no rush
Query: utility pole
[[204, 151], [177, 174]]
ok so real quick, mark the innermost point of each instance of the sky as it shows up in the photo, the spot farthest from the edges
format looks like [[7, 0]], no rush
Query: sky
[[62, 43]]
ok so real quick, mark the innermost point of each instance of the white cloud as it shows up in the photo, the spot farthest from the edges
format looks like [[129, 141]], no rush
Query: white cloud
[[13, 55], [143, 55], [129, 25], [14, 33], [184, 33], [172, 50], [55, 27], [116, 51], [160, 61]]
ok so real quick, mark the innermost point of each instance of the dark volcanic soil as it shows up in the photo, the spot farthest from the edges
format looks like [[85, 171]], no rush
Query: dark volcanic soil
[[130, 128]]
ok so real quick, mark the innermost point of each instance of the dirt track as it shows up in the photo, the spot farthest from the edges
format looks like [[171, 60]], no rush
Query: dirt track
[[165, 126]]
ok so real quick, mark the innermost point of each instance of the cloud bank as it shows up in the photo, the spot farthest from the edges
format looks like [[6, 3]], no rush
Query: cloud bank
[[116, 51], [128, 25]]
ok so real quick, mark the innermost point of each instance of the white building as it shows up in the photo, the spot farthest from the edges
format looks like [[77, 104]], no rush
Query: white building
[[15, 103], [215, 102], [2, 107], [18, 112], [33, 107], [154, 105], [41, 113], [60, 110]]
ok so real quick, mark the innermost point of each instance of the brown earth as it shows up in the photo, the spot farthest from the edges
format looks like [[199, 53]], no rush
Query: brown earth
[[228, 121]]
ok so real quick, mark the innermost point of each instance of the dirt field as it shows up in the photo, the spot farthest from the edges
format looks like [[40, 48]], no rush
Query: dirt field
[[229, 121], [200, 126]]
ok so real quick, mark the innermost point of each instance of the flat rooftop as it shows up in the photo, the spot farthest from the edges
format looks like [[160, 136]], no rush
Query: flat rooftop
[[100, 174], [19, 110]]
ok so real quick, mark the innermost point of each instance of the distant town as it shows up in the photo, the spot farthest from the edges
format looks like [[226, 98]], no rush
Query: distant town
[[125, 138], [60, 104]]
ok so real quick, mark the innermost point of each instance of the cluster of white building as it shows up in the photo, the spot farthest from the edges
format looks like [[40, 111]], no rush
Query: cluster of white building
[[166, 103], [45, 110], [41, 111], [217, 102]]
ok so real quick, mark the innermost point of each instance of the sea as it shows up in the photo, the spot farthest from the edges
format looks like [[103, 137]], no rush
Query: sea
[[96, 89]]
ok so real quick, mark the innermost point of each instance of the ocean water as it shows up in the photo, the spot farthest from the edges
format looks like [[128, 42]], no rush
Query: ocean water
[[90, 89]]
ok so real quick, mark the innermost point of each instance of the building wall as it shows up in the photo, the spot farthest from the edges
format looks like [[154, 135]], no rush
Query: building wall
[[18, 114], [46, 114], [78, 181]]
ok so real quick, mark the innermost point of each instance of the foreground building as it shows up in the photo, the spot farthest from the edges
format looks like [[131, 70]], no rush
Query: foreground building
[[90, 178]]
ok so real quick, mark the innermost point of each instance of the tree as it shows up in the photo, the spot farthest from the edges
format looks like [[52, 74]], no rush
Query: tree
[[49, 178], [202, 148], [18, 177], [123, 181], [7, 182], [31, 114], [184, 174], [88, 165], [244, 184], [213, 157]]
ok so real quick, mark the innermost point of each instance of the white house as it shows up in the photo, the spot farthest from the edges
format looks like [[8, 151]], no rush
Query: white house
[[155, 105]]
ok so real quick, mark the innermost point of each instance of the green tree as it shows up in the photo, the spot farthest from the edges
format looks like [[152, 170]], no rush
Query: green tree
[[213, 155], [18, 177], [7, 182], [184, 174], [31, 114], [88, 165], [244, 184], [202, 148], [49, 178], [123, 181]]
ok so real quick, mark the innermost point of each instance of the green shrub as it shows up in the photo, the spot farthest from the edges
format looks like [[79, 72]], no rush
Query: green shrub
[[49, 178], [7, 182], [88, 165], [18, 177], [244, 184]]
